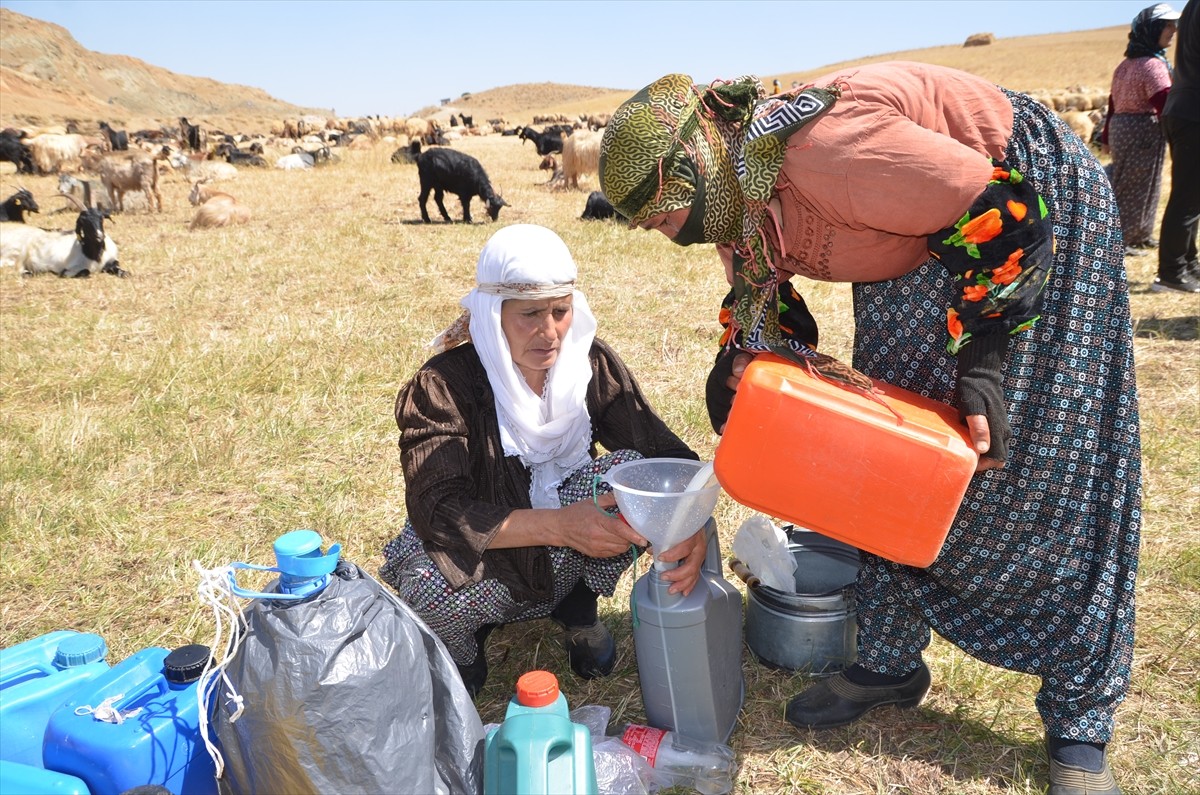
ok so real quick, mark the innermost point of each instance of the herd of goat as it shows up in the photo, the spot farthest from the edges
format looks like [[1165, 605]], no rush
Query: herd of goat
[[123, 163]]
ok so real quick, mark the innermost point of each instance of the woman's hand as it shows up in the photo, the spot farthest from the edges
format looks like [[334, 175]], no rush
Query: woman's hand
[[981, 441], [595, 533], [690, 553]]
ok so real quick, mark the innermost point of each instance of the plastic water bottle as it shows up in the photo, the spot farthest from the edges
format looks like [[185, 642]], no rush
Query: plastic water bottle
[[705, 766]]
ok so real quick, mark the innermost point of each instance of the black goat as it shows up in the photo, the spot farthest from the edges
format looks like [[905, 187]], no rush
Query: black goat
[[598, 208], [450, 171], [190, 135], [547, 142], [239, 158], [117, 139], [14, 150], [14, 207], [407, 154]]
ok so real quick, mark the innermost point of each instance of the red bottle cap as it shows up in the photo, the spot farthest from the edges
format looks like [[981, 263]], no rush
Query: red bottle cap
[[537, 689]]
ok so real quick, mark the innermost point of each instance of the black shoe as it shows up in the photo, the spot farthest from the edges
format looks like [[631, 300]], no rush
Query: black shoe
[[474, 675], [1070, 780], [837, 701], [1184, 284], [591, 650]]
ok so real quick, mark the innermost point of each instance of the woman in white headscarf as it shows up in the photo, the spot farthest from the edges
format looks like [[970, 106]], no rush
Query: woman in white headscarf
[[498, 435]]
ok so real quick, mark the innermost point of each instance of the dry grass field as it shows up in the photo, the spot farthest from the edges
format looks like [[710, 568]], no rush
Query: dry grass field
[[239, 384]]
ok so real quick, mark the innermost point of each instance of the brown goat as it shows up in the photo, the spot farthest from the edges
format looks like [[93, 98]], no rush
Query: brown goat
[[216, 208], [131, 172]]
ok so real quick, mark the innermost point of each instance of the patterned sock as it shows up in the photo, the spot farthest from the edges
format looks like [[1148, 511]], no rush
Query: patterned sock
[[1076, 753]]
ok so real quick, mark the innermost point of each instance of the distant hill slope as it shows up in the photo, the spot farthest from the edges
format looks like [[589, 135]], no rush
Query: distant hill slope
[[46, 77]]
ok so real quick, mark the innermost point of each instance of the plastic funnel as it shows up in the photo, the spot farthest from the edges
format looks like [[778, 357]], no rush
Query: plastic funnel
[[659, 499]]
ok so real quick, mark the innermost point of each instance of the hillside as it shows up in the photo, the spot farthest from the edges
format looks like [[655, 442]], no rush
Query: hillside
[[46, 77]]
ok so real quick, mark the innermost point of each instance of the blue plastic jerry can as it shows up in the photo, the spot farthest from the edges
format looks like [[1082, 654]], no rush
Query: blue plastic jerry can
[[36, 677], [19, 779], [538, 750], [136, 724]]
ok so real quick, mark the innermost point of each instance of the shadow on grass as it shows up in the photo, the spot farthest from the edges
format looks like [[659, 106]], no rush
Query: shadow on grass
[[1186, 328]]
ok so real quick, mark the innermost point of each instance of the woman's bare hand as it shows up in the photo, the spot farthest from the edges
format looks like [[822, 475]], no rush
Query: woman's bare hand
[[690, 553], [595, 533]]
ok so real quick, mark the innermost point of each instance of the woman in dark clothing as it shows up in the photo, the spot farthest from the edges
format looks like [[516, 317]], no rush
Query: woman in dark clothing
[[498, 436], [1178, 263], [1133, 131]]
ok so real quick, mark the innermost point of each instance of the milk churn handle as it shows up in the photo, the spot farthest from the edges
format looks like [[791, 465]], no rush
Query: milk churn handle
[[743, 572]]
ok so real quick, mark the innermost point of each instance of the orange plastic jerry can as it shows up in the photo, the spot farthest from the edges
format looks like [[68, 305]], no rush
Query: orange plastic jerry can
[[832, 460]]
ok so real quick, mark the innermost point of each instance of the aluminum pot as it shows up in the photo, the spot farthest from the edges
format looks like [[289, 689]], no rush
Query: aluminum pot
[[815, 629]]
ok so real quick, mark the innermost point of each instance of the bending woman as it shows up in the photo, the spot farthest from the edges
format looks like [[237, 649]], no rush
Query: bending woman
[[498, 436], [984, 247]]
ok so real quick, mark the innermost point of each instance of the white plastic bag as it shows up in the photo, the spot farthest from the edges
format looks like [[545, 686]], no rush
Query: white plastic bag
[[619, 769], [763, 547]]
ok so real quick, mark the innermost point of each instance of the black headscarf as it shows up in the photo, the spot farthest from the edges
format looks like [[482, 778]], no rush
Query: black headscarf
[[1144, 35]]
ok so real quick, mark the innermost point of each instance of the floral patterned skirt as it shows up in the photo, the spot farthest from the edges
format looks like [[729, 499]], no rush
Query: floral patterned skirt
[[1037, 573]]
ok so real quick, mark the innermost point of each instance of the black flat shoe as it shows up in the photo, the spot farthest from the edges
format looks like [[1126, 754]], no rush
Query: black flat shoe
[[1070, 780], [591, 650], [837, 701]]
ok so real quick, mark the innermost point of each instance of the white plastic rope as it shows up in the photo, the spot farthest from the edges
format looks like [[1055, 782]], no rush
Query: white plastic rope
[[215, 591], [107, 712]]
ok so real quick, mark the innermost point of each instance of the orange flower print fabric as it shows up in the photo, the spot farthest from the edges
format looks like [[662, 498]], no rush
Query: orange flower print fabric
[[1000, 253]]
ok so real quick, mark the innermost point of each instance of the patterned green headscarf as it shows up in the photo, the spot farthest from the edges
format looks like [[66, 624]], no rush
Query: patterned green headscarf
[[718, 149]]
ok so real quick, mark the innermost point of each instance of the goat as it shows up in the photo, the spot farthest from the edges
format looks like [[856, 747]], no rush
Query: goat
[[52, 153], [195, 167], [33, 250], [118, 139], [119, 175], [236, 156], [450, 171], [598, 208], [296, 161], [547, 142], [190, 135], [407, 154], [216, 208], [580, 155], [81, 189], [14, 207], [14, 150]]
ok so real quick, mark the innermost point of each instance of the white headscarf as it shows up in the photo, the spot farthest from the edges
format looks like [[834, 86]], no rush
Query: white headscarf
[[551, 432]]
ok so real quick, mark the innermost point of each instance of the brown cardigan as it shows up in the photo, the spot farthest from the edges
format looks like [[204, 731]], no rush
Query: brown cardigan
[[459, 485]]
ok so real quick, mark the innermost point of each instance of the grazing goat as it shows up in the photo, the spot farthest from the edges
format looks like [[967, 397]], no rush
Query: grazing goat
[[15, 151], [120, 174], [598, 208], [407, 154], [450, 171], [69, 254], [118, 139], [580, 155], [216, 208], [15, 206]]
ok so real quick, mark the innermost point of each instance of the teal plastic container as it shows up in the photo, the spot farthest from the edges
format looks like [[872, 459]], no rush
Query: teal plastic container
[[160, 743], [538, 750], [36, 677], [19, 779]]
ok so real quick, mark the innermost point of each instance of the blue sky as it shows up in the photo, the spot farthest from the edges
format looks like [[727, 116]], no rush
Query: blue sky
[[394, 58]]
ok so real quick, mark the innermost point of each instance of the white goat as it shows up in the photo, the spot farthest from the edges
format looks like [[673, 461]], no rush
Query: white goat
[[35, 250], [296, 161], [197, 168], [53, 153], [580, 155]]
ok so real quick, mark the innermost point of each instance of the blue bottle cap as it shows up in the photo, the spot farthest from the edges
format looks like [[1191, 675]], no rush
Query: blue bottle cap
[[81, 649], [298, 554]]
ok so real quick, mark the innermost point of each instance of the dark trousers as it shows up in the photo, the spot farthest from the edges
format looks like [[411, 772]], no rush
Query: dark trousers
[[1177, 237]]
